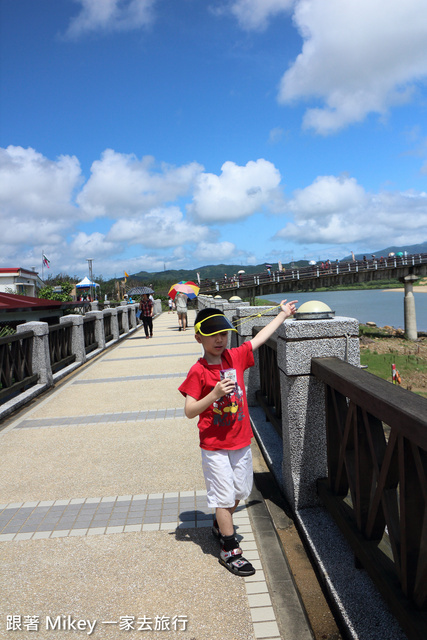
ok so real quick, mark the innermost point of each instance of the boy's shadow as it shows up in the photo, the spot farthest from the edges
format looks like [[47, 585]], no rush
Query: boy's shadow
[[187, 531]]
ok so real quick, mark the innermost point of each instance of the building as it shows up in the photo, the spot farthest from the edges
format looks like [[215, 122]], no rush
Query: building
[[20, 281]]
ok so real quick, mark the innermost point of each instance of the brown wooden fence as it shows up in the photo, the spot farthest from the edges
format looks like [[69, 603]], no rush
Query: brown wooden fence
[[60, 346], [16, 370], [376, 488]]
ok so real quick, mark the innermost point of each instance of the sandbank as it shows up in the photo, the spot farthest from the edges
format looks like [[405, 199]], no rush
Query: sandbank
[[422, 288]]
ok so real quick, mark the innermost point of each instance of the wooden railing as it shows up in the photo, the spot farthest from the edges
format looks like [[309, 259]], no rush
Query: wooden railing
[[376, 488], [16, 371], [60, 346]]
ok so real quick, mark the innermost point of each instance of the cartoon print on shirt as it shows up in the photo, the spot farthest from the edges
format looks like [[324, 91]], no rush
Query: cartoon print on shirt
[[229, 408]]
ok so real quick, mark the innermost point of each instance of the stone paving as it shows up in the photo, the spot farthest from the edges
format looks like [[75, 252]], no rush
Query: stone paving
[[104, 527]]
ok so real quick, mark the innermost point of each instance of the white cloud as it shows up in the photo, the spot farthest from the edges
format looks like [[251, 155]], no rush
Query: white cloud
[[122, 185], [328, 195], [36, 205], [215, 252], [31, 185], [339, 211], [359, 56], [238, 192], [95, 244], [110, 15], [255, 14], [162, 227]]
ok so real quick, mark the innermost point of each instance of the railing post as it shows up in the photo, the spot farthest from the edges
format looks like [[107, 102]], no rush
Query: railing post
[[40, 357], [303, 399], [77, 336], [125, 317], [114, 323], [132, 317], [99, 327]]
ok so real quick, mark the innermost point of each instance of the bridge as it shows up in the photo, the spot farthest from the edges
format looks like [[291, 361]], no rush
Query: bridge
[[313, 277]]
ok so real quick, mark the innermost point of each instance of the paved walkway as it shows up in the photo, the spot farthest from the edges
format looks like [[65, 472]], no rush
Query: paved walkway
[[104, 528]]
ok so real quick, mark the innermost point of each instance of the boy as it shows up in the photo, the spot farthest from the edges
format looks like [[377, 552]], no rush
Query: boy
[[214, 390]]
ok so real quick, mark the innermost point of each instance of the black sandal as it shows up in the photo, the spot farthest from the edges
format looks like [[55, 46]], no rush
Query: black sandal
[[236, 563]]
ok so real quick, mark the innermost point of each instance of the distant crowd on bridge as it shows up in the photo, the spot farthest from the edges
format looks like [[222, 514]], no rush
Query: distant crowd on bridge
[[314, 269]]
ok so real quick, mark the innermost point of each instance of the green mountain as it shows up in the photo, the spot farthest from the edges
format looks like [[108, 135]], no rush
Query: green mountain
[[411, 249]]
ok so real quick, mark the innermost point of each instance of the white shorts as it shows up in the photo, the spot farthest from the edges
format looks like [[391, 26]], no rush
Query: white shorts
[[228, 476]]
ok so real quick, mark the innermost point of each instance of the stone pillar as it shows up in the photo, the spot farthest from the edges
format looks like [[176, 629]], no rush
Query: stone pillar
[[125, 319], [99, 327], [132, 316], [41, 355], [303, 401], [409, 307], [77, 336], [114, 323]]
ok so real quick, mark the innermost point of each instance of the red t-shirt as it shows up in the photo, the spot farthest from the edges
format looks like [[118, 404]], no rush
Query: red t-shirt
[[225, 424]]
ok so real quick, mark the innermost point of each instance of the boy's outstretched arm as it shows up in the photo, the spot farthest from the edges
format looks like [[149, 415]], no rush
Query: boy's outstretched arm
[[286, 310]]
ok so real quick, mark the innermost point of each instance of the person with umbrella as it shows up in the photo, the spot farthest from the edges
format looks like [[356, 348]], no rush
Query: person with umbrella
[[180, 292], [181, 309], [146, 307]]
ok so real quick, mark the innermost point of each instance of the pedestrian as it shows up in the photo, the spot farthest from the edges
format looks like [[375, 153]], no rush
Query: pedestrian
[[147, 309], [170, 303], [181, 308], [214, 390]]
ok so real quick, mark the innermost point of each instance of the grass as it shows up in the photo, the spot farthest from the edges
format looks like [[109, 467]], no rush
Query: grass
[[380, 364], [372, 332]]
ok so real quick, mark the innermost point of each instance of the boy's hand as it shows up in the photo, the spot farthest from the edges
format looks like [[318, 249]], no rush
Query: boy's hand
[[288, 308], [223, 387]]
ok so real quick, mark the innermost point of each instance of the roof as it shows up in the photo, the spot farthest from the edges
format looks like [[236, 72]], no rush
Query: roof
[[17, 270], [11, 302], [86, 283]]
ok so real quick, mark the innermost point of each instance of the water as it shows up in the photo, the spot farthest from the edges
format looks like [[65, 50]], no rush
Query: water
[[381, 307]]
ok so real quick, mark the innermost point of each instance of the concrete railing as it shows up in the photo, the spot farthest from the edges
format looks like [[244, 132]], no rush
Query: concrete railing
[[121, 321]]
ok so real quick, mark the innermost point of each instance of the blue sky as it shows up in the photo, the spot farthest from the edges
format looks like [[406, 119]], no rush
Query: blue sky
[[146, 134]]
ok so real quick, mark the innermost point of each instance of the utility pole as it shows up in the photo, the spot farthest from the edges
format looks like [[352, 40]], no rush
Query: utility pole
[[89, 261]]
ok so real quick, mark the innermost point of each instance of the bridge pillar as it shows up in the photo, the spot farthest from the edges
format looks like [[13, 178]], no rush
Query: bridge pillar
[[409, 307]]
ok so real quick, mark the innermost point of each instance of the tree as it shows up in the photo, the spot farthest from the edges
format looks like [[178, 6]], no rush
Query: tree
[[48, 292]]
